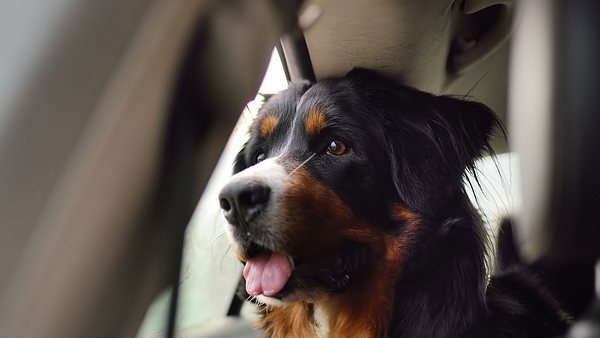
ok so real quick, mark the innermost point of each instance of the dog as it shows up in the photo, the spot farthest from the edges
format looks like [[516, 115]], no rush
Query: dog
[[348, 207]]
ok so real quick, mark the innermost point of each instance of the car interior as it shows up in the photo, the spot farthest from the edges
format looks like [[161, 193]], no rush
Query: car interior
[[116, 117]]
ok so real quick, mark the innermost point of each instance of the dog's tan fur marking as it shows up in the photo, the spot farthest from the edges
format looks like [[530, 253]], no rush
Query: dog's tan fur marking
[[366, 312], [294, 320], [399, 247], [268, 125], [315, 121]]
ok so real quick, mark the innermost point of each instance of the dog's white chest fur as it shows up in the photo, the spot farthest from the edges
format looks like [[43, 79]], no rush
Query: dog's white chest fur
[[322, 322]]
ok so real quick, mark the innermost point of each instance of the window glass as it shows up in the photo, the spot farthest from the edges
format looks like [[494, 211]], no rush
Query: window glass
[[495, 193], [210, 272]]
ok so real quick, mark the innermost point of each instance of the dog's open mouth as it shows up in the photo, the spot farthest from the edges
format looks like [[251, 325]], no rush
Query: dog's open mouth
[[277, 274]]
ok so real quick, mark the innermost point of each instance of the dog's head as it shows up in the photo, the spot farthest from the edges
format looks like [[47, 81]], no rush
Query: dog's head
[[337, 178]]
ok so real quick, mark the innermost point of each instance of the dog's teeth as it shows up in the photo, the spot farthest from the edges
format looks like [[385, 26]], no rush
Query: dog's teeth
[[292, 262]]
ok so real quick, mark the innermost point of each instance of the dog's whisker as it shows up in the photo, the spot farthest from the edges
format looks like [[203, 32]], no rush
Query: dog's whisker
[[214, 241], [223, 258], [301, 164]]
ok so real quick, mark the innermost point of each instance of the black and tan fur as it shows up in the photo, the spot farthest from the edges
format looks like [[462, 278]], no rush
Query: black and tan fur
[[369, 201]]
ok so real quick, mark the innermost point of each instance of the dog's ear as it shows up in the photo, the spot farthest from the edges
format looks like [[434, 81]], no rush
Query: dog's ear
[[462, 130], [436, 143], [239, 163], [431, 140]]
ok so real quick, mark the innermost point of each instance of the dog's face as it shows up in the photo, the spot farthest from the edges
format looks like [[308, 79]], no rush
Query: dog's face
[[336, 178]]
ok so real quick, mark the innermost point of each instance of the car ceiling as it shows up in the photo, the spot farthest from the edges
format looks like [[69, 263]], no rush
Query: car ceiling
[[415, 41]]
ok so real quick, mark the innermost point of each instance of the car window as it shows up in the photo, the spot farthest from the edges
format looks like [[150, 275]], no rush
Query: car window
[[495, 191], [210, 272]]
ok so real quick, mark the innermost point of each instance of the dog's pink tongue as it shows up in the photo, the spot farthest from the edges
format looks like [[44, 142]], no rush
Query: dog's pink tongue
[[267, 274]]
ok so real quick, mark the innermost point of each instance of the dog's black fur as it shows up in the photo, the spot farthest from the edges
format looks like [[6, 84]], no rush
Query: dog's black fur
[[407, 148]]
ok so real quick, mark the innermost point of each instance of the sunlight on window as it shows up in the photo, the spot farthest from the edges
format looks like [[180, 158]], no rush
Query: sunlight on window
[[210, 272], [497, 194]]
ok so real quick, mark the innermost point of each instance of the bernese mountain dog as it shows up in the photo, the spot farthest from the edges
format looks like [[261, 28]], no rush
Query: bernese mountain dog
[[348, 208]]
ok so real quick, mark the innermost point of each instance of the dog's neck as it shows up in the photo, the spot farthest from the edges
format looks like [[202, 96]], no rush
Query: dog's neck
[[363, 310], [439, 289], [442, 287], [360, 313]]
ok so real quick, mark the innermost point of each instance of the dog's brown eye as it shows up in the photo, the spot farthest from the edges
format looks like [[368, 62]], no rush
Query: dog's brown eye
[[336, 147], [260, 157]]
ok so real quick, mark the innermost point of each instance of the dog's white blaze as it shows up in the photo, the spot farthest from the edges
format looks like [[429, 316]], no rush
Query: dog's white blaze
[[289, 137], [267, 172]]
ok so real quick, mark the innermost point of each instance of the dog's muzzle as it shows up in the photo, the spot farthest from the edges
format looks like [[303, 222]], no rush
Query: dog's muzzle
[[248, 202]]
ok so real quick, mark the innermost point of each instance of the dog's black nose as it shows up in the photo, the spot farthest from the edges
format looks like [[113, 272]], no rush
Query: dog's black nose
[[242, 201]]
